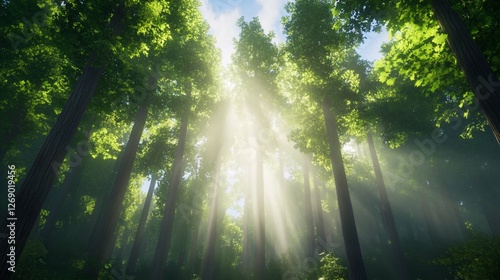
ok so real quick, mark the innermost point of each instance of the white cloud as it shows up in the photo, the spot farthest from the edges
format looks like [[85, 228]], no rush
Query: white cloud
[[223, 27], [270, 16]]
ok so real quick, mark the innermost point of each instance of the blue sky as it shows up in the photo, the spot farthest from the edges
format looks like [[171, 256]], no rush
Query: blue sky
[[222, 16]]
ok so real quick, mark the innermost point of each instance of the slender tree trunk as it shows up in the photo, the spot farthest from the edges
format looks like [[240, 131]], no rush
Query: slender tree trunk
[[100, 203], [489, 204], [181, 258], [209, 257], [387, 215], [193, 252], [110, 246], [119, 254], [247, 220], [139, 235], [454, 207], [481, 78], [353, 249], [320, 222], [167, 222], [260, 252], [447, 206], [408, 224], [429, 219], [69, 181], [40, 178], [105, 227], [308, 211]]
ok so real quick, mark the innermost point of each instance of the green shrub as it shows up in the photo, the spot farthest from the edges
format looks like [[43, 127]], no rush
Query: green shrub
[[331, 269], [478, 258]]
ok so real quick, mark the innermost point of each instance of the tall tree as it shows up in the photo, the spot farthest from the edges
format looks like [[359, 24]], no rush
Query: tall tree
[[139, 235], [315, 46], [400, 15], [217, 140], [320, 223], [106, 225], [41, 175], [195, 60], [482, 80], [254, 62], [353, 249], [175, 179], [208, 269], [308, 210], [387, 215]]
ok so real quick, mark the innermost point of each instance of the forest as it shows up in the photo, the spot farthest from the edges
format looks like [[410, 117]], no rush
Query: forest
[[129, 151]]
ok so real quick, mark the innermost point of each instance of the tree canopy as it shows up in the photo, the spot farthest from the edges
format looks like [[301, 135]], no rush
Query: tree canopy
[[130, 152]]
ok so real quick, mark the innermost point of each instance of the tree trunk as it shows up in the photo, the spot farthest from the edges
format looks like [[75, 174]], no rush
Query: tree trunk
[[429, 219], [449, 210], [247, 220], [320, 222], [105, 227], [353, 249], [69, 181], [139, 235], [481, 78], [308, 211], [209, 257], [193, 252], [40, 178], [260, 252], [100, 203], [167, 222], [408, 223], [489, 204], [387, 215]]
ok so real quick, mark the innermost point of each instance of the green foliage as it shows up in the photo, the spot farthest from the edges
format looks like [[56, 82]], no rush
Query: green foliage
[[166, 53], [32, 264], [331, 269], [105, 272], [478, 258]]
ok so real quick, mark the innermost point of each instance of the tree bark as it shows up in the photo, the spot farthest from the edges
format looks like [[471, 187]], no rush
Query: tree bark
[[209, 257], [448, 211], [387, 216], [247, 220], [429, 219], [105, 227], [69, 181], [481, 78], [308, 211], [353, 249], [139, 235], [40, 178], [260, 252], [193, 252], [320, 222], [489, 204], [167, 222]]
